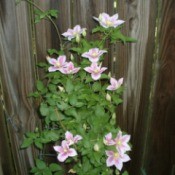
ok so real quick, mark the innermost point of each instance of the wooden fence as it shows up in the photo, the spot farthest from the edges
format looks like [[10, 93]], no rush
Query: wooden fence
[[148, 67]]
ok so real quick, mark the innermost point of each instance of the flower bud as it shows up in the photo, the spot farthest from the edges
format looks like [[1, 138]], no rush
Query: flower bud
[[84, 126], [108, 97], [109, 74], [84, 32], [96, 147], [77, 38], [47, 58], [114, 116], [72, 171], [71, 57], [61, 88]]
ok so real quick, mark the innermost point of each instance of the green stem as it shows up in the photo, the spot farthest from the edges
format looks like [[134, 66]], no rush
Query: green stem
[[64, 128], [50, 19]]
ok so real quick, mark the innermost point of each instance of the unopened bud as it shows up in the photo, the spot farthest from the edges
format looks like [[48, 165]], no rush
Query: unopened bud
[[109, 74], [71, 57], [72, 171], [48, 58], [84, 32], [61, 88], [84, 126], [36, 129], [77, 38], [96, 147], [108, 97], [114, 116]]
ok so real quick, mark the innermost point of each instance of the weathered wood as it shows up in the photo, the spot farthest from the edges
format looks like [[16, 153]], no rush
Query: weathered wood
[[17, 74], [135, 63], [6, 160], [161, 155]]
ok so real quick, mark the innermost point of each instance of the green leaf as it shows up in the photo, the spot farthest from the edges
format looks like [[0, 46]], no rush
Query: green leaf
[[53, 51], [96, 87], [53, 13], [42, 64], [44, 110], [69, 86], [76, 49], [62, 106], [39, 85], [38, 144], [125, 173], [34, 170], [34, 94], [55, 167], [27, 142], [40, 164], [54, 116], [47, 171]]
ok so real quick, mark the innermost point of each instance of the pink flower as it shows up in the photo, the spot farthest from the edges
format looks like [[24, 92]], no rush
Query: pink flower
[[93, 54], [109, 21], [70, 69], [115, 84], [95, 71], [121, 142], [64, 151], [116, 159], [108, 139], [72, 139], [74, 33], [58, 64]]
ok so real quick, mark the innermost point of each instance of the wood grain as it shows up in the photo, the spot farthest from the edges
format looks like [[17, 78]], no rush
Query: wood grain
[[17, 74], [161, 159]]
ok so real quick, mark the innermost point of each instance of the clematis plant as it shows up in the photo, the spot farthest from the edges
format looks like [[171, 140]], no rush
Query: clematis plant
[[77, 105]]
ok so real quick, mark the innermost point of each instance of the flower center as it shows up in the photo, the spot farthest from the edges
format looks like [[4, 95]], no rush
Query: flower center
[[116, 155], [94, 54], [65, 150], [119, 142], [109, 23], [58, 64], [96, 71]]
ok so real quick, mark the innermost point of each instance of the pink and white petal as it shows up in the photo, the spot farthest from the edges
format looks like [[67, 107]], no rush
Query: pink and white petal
[[110, 161], [118, 164], [95, 76], [72, 152], [58, 148], [86, 54], [125, 138], [63, 70], [88, 69], [108, 136], [77, 138], [94, 60], [113, 81], [125, 158], [52, 69], [62, 157], [120, 81], [77, 28], [75, 70], [110, 87], [52, 61], [103, 69], [62, 59], [109, 153], [118, 22], [97, 19], [68, 135], [114, 17], [64, 144]]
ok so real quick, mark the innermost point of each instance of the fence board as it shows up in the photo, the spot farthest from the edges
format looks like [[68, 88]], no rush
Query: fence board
[[17, 76], [135, 63], [162, 130]]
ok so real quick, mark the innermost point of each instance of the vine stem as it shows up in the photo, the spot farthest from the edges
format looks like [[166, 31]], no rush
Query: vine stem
[[50, 19], [64, 128]]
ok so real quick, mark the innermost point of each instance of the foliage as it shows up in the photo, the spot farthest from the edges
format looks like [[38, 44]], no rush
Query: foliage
[[77, 107]]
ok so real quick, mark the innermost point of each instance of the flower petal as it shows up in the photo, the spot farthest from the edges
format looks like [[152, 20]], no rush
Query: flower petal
[[62, 157]]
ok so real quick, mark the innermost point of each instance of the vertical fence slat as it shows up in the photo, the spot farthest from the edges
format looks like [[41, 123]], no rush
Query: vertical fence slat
[[161, 155], [17, 79], [136, 66]]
